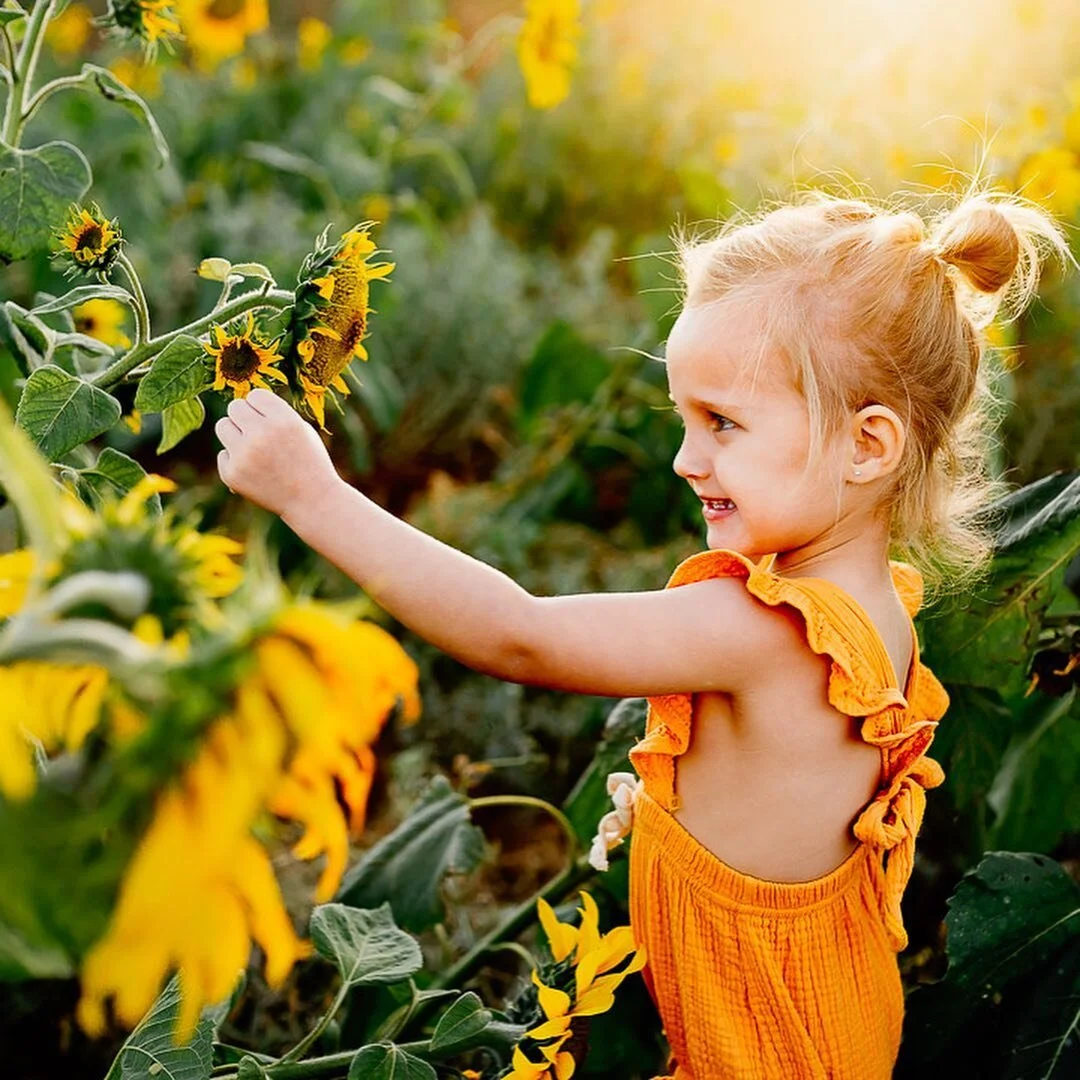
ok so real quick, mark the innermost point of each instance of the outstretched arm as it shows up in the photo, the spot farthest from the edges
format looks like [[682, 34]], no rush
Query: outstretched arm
[[704, 636]]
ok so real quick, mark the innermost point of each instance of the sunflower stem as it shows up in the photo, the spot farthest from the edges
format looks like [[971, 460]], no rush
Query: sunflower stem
[[540, 804], [142, 310], [308, 1040], [140, 354], [23, 73], [67, 82]]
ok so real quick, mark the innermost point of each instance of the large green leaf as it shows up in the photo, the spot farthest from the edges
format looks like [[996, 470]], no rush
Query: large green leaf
[[116, 474], [80, 295], [989, 638], [60, 411], [460, 1024], [384, 1061], [1009, 1002], [180, 420], [150, 1050], [365, 944], [180, 371], [36, 188], [406, 868]]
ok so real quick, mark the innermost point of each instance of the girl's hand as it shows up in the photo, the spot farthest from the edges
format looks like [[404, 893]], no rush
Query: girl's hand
[[271, 456]]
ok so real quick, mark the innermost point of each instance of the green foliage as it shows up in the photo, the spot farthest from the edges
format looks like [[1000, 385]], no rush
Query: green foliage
[[365, 944], [180, 371], [61, 411], [388, 1062]]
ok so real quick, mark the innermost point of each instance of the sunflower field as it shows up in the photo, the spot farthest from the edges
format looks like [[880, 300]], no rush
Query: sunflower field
[[250, 825]]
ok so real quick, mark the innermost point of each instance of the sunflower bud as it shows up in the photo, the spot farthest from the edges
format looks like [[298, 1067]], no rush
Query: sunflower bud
[[150, 21], [90, 242]]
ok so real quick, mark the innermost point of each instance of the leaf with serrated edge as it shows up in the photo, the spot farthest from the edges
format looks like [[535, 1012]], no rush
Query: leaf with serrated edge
[[365, 944], [180, 371], [151, 1044], [465, 1019], [384, 1061], [180, 420], [36, 188], [61, 412]]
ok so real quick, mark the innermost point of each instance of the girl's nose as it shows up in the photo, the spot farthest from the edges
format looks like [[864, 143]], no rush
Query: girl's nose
[[685, 465]]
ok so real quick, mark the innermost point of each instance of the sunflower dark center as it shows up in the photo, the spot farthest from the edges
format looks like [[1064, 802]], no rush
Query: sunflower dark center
[[90, 239], [225, 9], [239, 360], [354, 332]]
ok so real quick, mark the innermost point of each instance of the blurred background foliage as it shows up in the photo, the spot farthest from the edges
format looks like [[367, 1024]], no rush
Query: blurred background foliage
[[513, 406]]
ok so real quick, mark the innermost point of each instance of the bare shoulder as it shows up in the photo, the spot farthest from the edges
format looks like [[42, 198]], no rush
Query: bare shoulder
[[707, 635]]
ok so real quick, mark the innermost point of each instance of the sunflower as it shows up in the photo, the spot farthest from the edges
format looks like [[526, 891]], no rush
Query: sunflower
[[547, 49], [102, 319], [150, 21], [68, 32], [329, 318], [218, 29], [90, 242], [241, 360]]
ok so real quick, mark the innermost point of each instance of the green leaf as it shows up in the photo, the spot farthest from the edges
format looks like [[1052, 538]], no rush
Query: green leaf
[[116, 474], [61, 412], [11, 13], [36, 188], [384, 1061], [464, 1020], [406, 867], [1006, 1006], [112, 89], [254, 270], [149, 1051], [989, 638], [180, 371], [365, 944], [81, 295], [180, 420], [564, 368]]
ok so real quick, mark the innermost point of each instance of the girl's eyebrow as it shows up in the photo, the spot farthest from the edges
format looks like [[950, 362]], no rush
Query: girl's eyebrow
[[717, 406]]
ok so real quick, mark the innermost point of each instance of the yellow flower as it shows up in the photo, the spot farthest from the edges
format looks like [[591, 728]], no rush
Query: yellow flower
[[15, 570], [241, 360], [330, 318], [68, 33], [218, 29], [553, 1058], [143, 78], [57, 704], [312, 38], [152, 21], [547, 49], [1052, 177], [355, 51], [104, 320], [133, 421], [377, 207], [91, 242]]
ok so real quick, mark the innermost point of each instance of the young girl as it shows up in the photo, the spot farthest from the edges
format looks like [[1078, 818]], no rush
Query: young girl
[[827, 366]]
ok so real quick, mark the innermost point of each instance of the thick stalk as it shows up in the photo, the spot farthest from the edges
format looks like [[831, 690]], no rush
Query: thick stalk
[[142, 311], [278, 298], [23, 74]]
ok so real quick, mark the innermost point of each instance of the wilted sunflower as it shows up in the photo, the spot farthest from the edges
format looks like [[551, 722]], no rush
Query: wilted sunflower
[[329, 318], [218, 29], [104, 320], [547, 49], [90, 241], [241, 360], [150, 21]]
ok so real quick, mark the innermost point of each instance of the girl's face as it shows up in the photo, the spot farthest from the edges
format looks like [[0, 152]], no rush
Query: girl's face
[[747, 443]]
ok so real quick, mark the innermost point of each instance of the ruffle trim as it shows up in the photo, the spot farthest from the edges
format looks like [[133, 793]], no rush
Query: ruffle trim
[[903, 728]]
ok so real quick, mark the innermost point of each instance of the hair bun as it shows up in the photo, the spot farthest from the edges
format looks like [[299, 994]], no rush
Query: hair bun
[[981, 242]]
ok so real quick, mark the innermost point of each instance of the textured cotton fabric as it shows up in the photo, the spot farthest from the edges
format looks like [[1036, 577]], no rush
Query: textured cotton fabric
[[762, 980]]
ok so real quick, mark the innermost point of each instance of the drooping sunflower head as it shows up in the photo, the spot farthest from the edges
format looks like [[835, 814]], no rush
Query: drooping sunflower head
[[218, 29], [186, 570], [329, 319], [241, 360], [90, 243], [152, 22]]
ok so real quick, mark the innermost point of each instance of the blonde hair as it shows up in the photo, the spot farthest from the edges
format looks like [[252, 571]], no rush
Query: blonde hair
[[870, 304]]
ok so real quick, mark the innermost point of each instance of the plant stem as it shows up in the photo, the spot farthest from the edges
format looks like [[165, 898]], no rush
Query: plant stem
[[67, 82], [23, 74], [301, 1047], [529, 800], [278, 298], [142, 310]]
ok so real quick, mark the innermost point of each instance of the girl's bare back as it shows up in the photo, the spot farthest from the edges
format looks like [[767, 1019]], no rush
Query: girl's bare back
[[775, 777]]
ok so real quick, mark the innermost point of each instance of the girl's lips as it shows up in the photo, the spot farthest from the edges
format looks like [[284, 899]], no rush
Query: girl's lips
[[714, 514]]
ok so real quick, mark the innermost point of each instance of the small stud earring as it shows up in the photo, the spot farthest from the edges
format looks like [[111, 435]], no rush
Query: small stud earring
[[858, 472]]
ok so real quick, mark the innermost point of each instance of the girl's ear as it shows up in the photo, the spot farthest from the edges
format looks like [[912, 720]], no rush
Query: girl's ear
[[878, 438]]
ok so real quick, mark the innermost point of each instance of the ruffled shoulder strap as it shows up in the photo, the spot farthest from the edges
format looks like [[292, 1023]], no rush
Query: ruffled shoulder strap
[[861, 683]]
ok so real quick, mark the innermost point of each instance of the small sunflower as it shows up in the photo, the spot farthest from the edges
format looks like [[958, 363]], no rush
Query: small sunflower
[[90, 241], [218, 29], [104, 320], [153, 22], [329, 318], [241, 360], [547, 49]]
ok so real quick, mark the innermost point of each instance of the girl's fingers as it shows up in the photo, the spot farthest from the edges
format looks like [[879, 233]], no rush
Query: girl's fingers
[[227, 431]]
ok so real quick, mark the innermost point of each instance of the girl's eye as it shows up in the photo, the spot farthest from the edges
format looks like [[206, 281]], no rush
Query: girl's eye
[[722, 420]]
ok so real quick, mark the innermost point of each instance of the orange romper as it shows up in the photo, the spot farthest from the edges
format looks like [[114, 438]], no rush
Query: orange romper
[[765, 980]]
